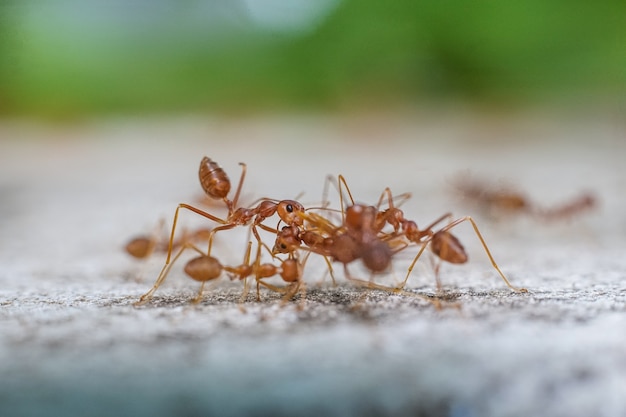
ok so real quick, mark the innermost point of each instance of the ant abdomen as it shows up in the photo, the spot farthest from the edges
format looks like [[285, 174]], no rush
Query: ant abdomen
[[345, 249], [377, 256], [290, 271], [213, 179], [140, 247], [447, 247], [204, 268]]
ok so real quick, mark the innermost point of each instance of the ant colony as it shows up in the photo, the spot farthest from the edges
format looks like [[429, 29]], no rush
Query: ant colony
[[373, 234]]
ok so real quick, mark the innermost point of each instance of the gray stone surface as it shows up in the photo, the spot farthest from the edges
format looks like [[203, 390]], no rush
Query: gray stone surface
[[73, 344]]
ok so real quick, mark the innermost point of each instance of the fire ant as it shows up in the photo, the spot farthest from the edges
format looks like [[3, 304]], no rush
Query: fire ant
[[443, 244], [345, 244], [205, 268], [142, 246], [216, 184], [357, 237], [506, 200], [364, 225]]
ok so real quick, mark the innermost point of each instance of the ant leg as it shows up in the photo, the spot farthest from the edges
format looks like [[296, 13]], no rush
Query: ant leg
[[429, 234], [328, 180], [197, 211], [392, 290], [255, 232], [436, 266], [410, 268], [256, 267], [246, 287], [198, 297], [244, 295], [298, 284], [482, 241], [269, 286], [302, 289], [164, 272], [214, 231], [439, 220], [386, 192], [293, 289], [330, 270], [341, 180], [232, 204]]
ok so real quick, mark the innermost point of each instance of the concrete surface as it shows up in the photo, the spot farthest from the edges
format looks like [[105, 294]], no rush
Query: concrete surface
[[73, 344]]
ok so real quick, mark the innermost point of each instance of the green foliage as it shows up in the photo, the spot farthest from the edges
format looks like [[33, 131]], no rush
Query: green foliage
[[365, 51]]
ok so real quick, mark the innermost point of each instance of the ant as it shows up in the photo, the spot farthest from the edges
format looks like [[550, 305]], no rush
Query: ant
[[337, 242], [205, 268], [506, 200], [357, 237], [216, 184], [354, 239], [290, 270], [142, 246], [364, 223], [443, 244]]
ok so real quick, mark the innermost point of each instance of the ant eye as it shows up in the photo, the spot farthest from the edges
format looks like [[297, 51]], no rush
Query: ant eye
[[283, 246], [289, 208]]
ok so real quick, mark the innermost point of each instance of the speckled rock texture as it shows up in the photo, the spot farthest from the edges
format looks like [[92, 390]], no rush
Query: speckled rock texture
[[72, 343]]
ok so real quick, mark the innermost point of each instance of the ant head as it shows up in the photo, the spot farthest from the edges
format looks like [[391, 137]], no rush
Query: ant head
[[290, 211], [287, 240]]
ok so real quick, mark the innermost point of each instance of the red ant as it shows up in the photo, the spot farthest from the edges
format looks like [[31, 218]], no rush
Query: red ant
[[356, 238], [365, 222], [216, 184], [206, 268], [142, 246], [505, 200], [442, 243]]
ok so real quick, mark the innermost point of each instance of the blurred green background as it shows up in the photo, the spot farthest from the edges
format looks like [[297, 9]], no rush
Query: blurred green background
[[70, 58]]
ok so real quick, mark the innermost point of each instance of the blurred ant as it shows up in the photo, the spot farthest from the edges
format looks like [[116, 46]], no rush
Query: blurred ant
[[142, 246], [508, 201]]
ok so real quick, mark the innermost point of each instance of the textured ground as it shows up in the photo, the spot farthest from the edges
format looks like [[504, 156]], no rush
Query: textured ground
[[73, 344]]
